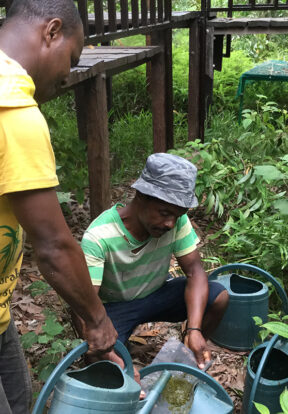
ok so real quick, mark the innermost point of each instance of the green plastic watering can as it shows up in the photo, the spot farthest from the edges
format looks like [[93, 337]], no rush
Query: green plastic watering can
[[247, 298], [267, 376], [104, 387]]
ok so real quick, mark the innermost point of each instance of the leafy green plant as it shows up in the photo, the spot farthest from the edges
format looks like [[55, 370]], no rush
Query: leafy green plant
[[283, 403], [39, 287], [53, 335], [242, 182], [70, 152], [277, 325]]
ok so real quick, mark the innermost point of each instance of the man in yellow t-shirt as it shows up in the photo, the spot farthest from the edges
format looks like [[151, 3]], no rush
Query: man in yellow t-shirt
[[39, 42]]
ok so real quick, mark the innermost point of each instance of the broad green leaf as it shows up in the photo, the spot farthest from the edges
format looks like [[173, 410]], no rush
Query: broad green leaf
[[263, 334], [256, 205], [279, 328], [38, 287], [268, 172], [279, 195], [285, 318], [58, 346], [274, 316], [63, 197], [257, 320], [246, 213], [46, 371], [244, 178], [285, 158], [239, 198], [284, 401], [261, 408], [28, 339], [44, 339], [282, 206], [76, 342], [52, 328], [246, 122], [210, 201]]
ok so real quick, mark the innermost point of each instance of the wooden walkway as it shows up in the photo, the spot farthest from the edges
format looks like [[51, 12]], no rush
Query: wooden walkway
[[242, 26], [109, 60]]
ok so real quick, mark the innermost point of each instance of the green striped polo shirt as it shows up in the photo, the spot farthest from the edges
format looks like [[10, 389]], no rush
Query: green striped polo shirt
[[122, 274]]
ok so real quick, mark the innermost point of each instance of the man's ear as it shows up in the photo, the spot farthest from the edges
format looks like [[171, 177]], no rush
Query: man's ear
[[53, 30]]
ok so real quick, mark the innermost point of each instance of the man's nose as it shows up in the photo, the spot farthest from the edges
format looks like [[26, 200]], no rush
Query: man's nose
[[170, 223]]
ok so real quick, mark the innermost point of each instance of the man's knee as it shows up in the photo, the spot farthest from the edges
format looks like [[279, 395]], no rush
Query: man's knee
[[221, 302]]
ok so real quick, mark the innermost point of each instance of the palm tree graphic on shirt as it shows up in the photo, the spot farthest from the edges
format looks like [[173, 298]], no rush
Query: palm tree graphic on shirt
[[9, 250]]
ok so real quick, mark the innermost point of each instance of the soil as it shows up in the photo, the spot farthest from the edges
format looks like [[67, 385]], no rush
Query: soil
[[146, 341]]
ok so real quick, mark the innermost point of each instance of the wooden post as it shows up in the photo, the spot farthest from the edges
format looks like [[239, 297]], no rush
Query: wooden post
[[209, 70], [93, 110], [161, 92], [194, 82]]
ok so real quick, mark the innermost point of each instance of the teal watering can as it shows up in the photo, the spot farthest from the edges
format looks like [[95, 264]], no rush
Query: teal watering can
[[247, 298], [267, 376], [104, 387], [100, 388]]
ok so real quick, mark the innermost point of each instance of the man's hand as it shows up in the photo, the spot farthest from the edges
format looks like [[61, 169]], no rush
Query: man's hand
[[195, 341], [112, 356], [101, 337]]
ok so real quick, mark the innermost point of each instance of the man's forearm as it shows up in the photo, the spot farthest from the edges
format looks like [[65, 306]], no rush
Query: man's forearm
[[196, 295], [64, 267]]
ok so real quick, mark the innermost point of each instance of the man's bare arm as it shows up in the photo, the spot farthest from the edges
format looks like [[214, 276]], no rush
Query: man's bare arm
[[196, 295], [62, 262]]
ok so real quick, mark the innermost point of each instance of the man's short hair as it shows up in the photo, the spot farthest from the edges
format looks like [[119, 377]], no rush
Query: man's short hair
[[47, 9]]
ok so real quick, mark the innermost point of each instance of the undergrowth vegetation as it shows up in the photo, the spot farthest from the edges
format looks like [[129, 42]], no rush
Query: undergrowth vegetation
[[243, 169]]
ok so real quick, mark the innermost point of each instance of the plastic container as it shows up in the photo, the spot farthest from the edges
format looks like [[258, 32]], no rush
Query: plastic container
[[266, 377], [100, 388], [247, 298]]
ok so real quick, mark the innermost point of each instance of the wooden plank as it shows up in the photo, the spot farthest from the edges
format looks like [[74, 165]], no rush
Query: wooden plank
[[280, 22], [202, 78], [167, 10], [78, 75], [92, 102], [161, 92], [79, 93], [83, 11], [160, 10], [158, 103], [152, 12], [227, 22], [135, 13], [112, 16], [259, 23], [194, 82], [144, 13], [99, 21], [123, 68], [124, 14], [218, 52]]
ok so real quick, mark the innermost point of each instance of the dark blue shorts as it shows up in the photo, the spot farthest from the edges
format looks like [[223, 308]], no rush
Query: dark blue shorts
[[164, 305]]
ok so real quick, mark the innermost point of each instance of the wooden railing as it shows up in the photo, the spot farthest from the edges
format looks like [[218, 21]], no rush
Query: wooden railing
[[250, 5], [121, 18]]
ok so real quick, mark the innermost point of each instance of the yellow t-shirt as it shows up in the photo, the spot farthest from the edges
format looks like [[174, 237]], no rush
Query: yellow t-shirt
[[27, 162]]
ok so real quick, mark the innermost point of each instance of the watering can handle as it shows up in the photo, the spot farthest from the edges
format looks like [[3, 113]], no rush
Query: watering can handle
[[259, 371], [254, 269], [119, 348]]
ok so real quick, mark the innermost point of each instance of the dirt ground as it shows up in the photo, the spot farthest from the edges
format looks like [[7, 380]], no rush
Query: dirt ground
[[227, 367]]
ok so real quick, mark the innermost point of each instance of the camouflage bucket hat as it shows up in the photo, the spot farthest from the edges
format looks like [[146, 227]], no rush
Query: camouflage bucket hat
[[169, 178]]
